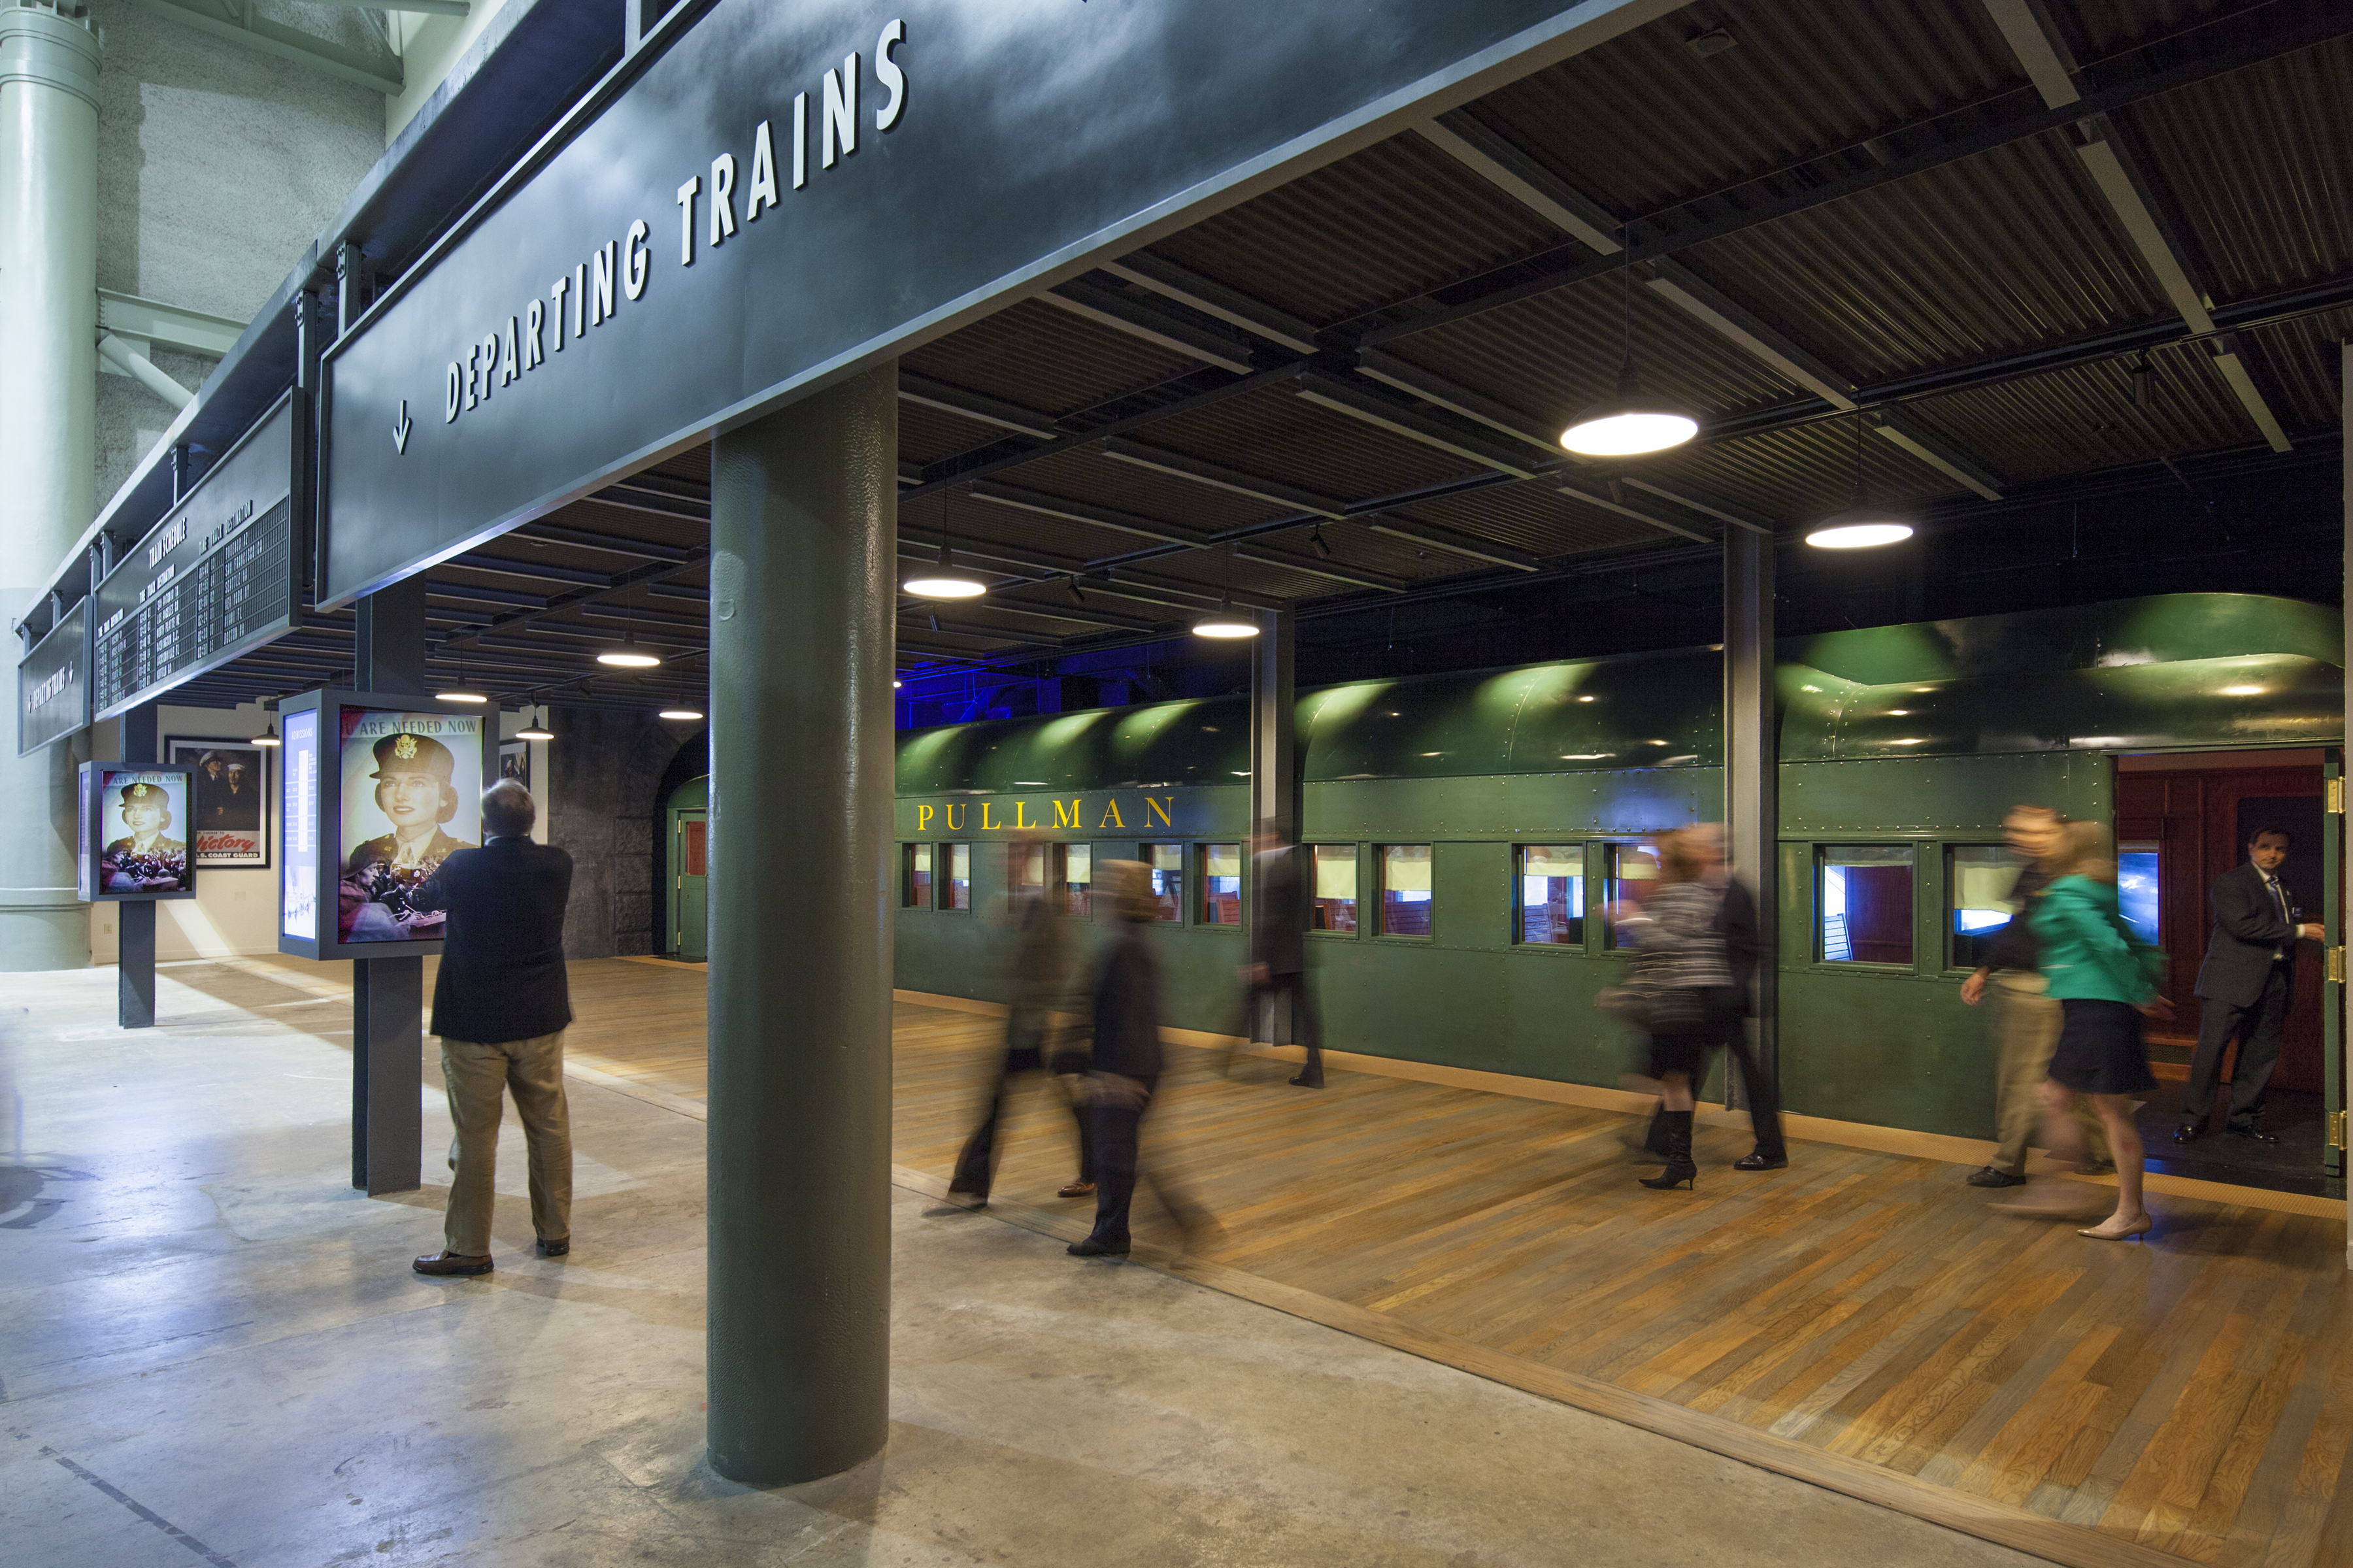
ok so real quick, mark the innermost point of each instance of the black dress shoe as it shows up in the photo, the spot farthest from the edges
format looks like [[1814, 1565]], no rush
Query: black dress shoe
[[2190, 1132], [553, 1248], [2251, 1134], [1088, 1246], [448, 1264], [1987, 1177], [1761, 1160], [1304, 1082]]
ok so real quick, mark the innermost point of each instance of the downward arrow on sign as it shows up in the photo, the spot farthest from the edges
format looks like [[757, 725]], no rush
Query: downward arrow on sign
[[400, 430]]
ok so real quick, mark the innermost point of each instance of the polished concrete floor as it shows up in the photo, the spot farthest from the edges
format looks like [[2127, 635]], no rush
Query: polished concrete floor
[[211, 1349]]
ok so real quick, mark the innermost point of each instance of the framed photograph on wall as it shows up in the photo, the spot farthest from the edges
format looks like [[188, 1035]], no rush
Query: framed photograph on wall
[[232, 799], [514, 761]]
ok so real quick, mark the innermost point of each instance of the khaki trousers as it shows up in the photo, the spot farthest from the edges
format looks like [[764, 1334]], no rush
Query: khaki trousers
[[475, 1075], [2026, 1026]]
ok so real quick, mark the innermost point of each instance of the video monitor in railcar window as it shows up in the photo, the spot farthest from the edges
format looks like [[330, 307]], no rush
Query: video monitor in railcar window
[[2137, 886], [1866, 903], [1221, 884], [1634, 872], [1979, 878], [1405, 890], [1029, 868], [1078, 877], [1552, 894], [1166, 864], [916, 883], [955, 865], [1333, 905]]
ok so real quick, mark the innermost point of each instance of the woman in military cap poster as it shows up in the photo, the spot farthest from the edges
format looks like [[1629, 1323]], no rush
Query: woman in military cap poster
[[417, 797], [147, 858]]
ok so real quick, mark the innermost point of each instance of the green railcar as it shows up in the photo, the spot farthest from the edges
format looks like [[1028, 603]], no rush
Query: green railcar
[[1470, 829]]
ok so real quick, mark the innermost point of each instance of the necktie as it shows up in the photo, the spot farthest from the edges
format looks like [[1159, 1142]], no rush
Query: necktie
[[2279, 901]]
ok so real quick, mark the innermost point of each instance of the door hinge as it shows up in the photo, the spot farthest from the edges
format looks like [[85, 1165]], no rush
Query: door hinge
[[2337, 796], [2336, 965], [2337, 1130]]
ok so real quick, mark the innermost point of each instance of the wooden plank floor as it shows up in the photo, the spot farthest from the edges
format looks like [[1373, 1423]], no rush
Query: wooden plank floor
[[2190, 1398]]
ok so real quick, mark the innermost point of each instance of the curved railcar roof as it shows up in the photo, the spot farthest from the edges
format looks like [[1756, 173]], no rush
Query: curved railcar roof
[[2177, 671]]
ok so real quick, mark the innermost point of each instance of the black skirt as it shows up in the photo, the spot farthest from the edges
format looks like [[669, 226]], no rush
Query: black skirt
[[2100, 1049], [1688, 1050]]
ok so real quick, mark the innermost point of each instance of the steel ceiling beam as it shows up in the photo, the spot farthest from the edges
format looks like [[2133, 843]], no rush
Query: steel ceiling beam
[[1121, 313], [1215, 299], [1455, 542], [1217, 476], [2132, 195], [922, 390], [1384, 413]]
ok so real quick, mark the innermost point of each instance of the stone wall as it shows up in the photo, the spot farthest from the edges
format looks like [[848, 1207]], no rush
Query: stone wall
[[604, 805], [218, 167]]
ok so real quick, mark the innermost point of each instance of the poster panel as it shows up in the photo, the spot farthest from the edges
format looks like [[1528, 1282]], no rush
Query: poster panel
[[298, 905], [135, 832], [409, 797], [230, 801], [514, 761]]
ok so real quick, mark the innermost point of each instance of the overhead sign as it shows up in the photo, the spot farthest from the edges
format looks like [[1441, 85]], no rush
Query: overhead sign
[[789, 194], [220, 575], [53, 682]]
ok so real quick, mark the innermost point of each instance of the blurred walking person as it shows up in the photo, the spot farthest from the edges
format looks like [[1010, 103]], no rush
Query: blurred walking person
[[1277, 966], [1040, 984], [1678, 988], [1744, 950], [2104, 978], [1126, 1064], [2026, 1018]]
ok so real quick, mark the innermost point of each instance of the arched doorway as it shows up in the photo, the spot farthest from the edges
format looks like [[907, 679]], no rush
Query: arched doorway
[[686, 838]]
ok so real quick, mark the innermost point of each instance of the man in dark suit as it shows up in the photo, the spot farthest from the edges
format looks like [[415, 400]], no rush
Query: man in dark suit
[[500, 1005], [2244, 988], [1278, 965]]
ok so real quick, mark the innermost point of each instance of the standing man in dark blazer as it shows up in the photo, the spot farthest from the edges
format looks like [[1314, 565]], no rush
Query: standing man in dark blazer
[[1277, 966], [2244, 988], [500, 1004]]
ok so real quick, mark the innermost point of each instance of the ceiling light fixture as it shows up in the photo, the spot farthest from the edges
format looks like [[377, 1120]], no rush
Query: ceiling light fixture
[[1860, 526], [679, 713], [628, 656], [269, 737], [460, 697], [1629, 424], [945, 582], [535, 726], [1222, 621]]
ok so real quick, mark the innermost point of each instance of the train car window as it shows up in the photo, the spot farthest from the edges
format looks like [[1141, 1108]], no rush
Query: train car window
[[1078, 875], [916, 886], [1977, 882], [1634, 872], [1030, 868], [2137, 885], [1405, 890], [1221, 884], [1866, 903], [1552, 893], [956, 863], [1334, 906], [1166, 862]]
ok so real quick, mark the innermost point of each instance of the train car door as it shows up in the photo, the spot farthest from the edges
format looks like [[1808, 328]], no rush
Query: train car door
[[687, 856], [2332, 991]]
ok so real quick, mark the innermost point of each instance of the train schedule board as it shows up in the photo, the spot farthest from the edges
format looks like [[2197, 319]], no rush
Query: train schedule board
[[53, 682], [220, 575], [376, 793], [132, 846]]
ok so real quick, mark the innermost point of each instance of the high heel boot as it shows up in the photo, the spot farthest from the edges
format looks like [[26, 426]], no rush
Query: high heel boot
[[1680, 1171]]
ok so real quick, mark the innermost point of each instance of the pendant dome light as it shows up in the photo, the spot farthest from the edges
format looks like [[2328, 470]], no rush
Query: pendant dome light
[[945, 582], [535, 726], [463, 692], [1860, 525], [267, 737], [1224, 623], [1630, 423], [628, 656]]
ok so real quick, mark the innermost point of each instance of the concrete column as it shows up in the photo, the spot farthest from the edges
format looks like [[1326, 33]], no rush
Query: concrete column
[[1752, 733], [388, 994], [48, 416], [802, 586], [1274, 775]]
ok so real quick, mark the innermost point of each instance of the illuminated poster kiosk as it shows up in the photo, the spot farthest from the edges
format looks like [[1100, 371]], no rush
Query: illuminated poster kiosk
[[135, 830], [375, 792]]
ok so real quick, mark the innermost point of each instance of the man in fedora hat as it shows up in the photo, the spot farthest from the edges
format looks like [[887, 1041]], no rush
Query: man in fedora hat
[[415, 792]]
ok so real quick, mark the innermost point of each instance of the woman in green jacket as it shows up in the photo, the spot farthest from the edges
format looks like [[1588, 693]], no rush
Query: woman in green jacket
[[2104, 979]]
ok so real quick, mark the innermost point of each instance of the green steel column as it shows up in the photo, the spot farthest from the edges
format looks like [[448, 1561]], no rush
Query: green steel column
[[49, 423], [803, 514]]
